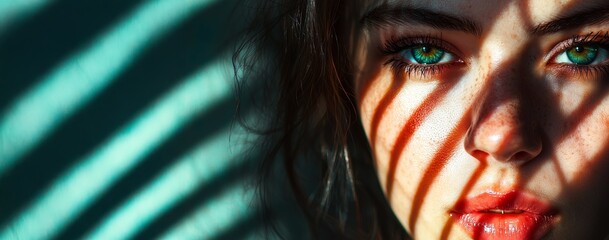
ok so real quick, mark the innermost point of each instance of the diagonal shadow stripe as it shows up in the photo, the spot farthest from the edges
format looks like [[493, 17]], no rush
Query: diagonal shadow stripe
[[96, 172], [253, 227], [417, 118], [574, 119], [183, 50], [79, 78], [431, 172], [380, 109], [201, 164], [40, 42], [15, 12], [241, 229], [207, 124], [466, 189], [237, 173]]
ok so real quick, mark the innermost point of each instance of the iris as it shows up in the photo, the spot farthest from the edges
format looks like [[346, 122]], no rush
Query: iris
[[427, 54], [582, 55]]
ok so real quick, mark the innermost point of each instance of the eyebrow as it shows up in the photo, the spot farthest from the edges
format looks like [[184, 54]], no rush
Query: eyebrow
[[585, 17], [386, 14]]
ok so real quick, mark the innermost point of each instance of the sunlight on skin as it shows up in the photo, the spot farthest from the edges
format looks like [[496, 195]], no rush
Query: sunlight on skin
[[81, 77], [92, 175], [516, 96]]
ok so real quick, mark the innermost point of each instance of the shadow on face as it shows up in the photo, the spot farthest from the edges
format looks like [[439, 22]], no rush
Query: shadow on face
[[507, 115]]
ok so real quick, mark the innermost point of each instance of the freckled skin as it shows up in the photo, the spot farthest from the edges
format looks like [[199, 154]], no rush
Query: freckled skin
[[505, 118]]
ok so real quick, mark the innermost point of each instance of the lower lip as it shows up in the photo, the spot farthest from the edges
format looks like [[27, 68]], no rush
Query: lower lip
[[486, 225]]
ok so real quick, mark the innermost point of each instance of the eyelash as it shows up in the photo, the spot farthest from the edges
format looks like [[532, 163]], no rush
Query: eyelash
[[394, 47], [596, 39]]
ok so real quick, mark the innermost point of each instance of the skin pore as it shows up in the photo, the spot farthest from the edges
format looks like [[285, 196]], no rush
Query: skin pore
[[464, 101]]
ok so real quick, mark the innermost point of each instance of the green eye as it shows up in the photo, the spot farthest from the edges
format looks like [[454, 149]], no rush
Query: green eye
[[582, 55], [426, 54], [590, 54]]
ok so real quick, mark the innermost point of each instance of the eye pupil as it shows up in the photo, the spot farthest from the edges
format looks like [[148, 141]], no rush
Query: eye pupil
[[579, 49]]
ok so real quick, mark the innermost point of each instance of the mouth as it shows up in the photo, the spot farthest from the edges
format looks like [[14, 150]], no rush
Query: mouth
[[511, 215]]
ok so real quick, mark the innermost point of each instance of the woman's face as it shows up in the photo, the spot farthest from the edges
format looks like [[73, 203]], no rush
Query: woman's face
[[489, 120]]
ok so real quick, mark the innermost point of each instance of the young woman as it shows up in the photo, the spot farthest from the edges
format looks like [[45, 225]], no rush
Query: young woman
[[441, 119]]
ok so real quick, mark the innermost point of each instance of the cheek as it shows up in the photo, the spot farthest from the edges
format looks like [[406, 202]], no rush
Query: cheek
[[409, 119], [582, 163], [570, 98], [585, 146], [411, 129], [574, 118], [576, 122], [391, 111]]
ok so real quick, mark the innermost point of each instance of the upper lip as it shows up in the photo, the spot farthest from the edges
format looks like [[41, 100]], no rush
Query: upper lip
[[507, 202]]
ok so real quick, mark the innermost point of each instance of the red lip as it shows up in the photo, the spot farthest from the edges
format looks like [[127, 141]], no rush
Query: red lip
[[511, 215]]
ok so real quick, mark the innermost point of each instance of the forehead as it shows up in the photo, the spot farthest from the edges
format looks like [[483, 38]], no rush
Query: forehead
[[486, 13]]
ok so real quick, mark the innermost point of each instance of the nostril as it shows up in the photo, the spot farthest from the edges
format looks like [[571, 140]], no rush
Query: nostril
[[516, 144], [521, 156]]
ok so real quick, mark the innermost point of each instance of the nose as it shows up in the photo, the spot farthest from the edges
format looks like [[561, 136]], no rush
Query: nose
[[503, 127]]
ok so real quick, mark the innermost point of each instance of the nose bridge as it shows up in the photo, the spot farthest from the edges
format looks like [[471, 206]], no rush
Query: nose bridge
[[502, 126], [504, 94]]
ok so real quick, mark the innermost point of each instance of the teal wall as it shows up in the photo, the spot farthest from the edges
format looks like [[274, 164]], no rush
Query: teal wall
[[116, 121]]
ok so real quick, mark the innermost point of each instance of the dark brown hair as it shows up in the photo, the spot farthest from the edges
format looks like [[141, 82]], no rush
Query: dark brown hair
[[300, 51]]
